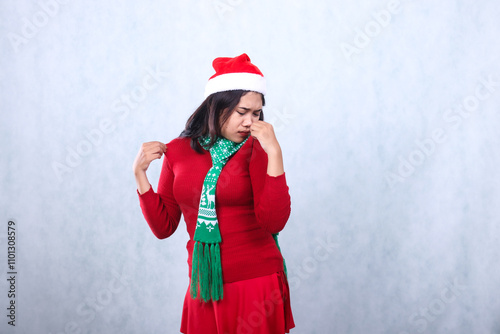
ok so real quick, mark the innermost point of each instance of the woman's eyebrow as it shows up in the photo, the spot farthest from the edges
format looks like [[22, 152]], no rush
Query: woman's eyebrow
[[247, 109]]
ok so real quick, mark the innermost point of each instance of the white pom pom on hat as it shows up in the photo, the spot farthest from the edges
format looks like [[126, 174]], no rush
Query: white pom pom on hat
[[235, 73]]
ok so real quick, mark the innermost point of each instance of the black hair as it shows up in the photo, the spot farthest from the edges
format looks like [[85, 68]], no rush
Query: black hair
[[208, 118]]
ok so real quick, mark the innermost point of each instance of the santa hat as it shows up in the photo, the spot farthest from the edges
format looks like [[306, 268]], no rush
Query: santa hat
[[235, 73]]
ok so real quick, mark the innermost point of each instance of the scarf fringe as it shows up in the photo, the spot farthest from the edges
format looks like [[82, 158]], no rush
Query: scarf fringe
[[206, 275], [275, 237]]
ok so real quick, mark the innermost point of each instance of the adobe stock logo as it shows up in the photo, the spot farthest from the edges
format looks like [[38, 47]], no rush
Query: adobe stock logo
[[426, 315], [121, 108], [281, 119], [381, 19], [222, 7], [452, 117], [264, 309], [31, 27], [94, 303], [324, 249]]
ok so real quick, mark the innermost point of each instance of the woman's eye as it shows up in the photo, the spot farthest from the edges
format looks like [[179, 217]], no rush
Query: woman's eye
[[256, 115], [241, 113]]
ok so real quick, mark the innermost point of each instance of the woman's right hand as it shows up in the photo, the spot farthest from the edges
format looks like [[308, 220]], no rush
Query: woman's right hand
[[147, 153]]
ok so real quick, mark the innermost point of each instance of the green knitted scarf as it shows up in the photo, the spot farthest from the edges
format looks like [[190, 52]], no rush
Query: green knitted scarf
[[206, 274]]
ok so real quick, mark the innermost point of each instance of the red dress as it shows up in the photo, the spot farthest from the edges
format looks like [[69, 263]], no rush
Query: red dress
[[251, 206]]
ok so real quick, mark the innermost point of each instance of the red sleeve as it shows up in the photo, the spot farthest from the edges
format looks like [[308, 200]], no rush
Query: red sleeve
[[161, 209], [271, 198]]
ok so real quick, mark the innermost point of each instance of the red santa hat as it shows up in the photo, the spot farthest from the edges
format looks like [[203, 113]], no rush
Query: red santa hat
[[235, 73]]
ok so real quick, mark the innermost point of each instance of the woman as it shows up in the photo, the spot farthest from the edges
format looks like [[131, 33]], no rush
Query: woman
[[225, 175]]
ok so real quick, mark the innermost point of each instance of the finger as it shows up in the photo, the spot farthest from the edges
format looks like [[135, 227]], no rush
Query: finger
[[156, 148], [254, 134], [160, 145], [152, 144], [254, 127], [152, 156]]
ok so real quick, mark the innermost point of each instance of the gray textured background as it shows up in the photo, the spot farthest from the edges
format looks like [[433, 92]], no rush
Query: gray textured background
[[387, 113]]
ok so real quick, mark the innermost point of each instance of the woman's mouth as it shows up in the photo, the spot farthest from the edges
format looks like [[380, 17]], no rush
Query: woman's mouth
[[244, 133]]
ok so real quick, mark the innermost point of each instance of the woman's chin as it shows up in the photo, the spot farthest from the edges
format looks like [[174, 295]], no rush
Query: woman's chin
[[237, 140]]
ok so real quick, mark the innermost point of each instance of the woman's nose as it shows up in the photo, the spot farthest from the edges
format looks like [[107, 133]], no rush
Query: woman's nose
[[247, 120]]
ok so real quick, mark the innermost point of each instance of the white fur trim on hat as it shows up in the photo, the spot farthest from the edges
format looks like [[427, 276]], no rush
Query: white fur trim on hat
[[233, 81]]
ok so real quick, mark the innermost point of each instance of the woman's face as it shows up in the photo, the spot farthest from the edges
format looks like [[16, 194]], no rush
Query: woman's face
[[237, 126]]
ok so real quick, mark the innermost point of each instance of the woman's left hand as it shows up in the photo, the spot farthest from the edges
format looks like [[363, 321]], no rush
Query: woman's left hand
[[264, 133]]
